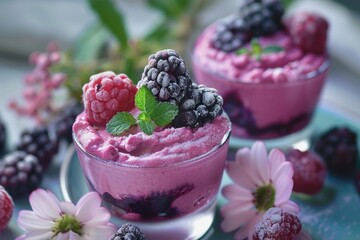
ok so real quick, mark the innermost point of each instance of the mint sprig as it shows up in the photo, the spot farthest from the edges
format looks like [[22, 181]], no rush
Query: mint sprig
[[153, 113], [257, 50]]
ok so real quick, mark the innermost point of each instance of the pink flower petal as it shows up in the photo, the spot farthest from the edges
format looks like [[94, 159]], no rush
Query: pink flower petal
[[260, 163], [29, 221], [283, 186], [87, 205], [68, 208], [99, 232], [283, 169], [102, 217], [290, 206], [247, 230], [44, 204], [233, 208], [37, 235], [236, 192], [231, 223], [63, 236], [276, 158]]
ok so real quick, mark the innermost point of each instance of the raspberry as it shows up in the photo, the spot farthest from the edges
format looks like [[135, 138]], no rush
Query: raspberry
[[309, 171], [166, 76], [37, 142], [231, 34], [2, 136], [20, 173], [338, 147], [106, 94], [202, 105], [6, 208], [128, 232], [277, 224], [263, 17], [309, 31]]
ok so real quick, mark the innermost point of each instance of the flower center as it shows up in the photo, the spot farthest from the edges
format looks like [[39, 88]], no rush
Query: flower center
[[67, 223], [264, 197]]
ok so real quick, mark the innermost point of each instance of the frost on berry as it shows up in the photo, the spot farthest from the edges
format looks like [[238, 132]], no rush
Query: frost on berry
[[40, 86]]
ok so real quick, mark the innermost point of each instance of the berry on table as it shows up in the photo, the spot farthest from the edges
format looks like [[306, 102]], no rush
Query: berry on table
[[6, 208], [338, 147], [277, 224], [106, 94], [37, 141], [309, 171], [166, 76], [308, 31], [20, 173], [128, 232]]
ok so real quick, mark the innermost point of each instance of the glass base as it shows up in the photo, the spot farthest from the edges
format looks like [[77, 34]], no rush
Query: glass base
[[190, 227]]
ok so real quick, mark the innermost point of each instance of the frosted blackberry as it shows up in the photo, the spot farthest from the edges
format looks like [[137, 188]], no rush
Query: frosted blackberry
[[231, 34], [2, 136], [263, 17], [166, 76], [128, 232], [201, 105], [63, 123], [338, 147], [37, 142], [20, 173]]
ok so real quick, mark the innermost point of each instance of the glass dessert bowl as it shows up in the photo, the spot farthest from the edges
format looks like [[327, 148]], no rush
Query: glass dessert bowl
[[165, 181], [271, 81]]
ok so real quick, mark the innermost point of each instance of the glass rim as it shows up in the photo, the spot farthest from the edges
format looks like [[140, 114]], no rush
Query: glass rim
[[307, 76], [177, 164]]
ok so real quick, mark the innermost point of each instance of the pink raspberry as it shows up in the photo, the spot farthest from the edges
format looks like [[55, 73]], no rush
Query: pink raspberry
[[107, 94], [309, 31], [6, 208], [309, 171], [277, 224]]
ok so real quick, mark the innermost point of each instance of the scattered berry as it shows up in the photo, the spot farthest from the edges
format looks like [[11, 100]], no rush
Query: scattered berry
[[63, 123], [309, 31], [231, 34], [6, 208], [166, 76], [201, 105], [277, 224], [2, 136], [263, 17], [309, 171], [338, 147], [106, 94], [37, 142], [128, 232], [20, 173]]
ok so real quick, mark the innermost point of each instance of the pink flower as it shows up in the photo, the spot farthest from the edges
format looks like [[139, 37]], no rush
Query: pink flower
[[51, 219], [260, 182]]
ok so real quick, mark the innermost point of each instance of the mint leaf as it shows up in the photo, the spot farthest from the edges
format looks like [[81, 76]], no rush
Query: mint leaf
[[144, 116], [164, 113], [272, 49], [119, 123], [145, 100], [147, 126], [242, 51], [255, 47]]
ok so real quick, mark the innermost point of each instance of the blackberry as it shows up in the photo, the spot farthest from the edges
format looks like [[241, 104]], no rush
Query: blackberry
[[37, 142], [128, 232], [20, 173], [231, 34], [2, 136], [201, 105], [263, 17], [338, 147], [63, 123], [166, 76]]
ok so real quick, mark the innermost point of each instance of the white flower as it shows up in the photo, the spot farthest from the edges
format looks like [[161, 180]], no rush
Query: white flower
[[260, 182], [51, 219]]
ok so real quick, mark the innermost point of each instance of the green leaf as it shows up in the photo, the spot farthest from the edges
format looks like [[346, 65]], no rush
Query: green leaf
[[119, 123], [242, 51], [272, 49], [170, 8], [144, 116], [112, 19], [145, 100], [147, 126], [255, 47], [164, 113]]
